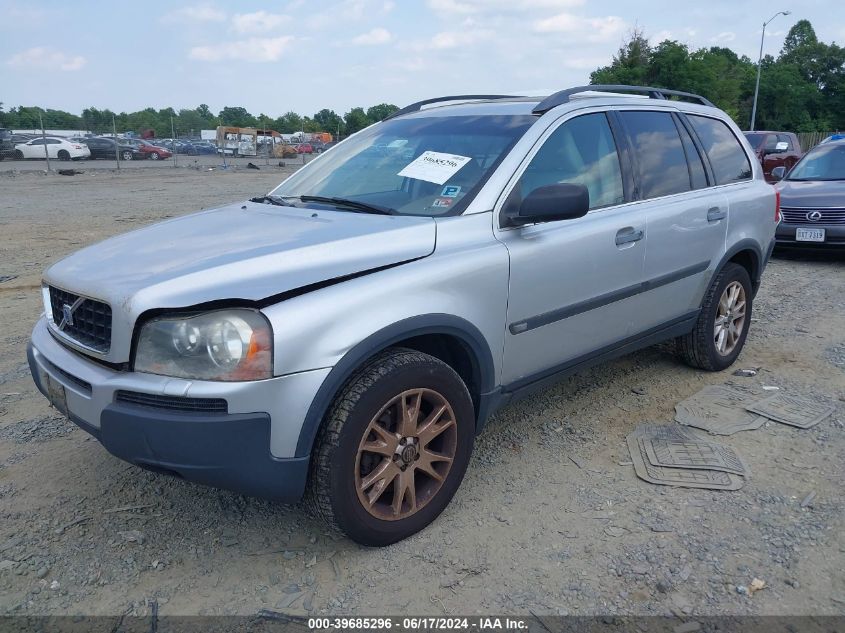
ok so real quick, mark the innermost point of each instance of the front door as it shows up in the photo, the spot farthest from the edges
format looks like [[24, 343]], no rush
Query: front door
[[571, 281]]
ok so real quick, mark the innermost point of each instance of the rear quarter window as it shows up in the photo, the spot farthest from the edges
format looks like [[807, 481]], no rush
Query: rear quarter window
[[727, 158]]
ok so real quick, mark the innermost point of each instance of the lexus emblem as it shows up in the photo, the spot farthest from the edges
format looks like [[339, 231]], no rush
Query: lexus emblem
[[814, 216], [67, 313]]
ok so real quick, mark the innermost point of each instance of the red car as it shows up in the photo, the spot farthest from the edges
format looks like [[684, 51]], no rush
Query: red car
[[305, 148], [153, 152], [775, 149]]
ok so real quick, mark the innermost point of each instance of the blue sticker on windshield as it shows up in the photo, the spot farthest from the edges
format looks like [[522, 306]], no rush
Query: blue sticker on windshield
[[450, 191]]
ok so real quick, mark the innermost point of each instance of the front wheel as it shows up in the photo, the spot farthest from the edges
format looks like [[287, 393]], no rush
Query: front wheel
[[127, 155], [722, 327], [393, 449]]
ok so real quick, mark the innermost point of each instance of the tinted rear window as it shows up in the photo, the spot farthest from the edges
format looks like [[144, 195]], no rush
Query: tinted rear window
[[727, 158], [660, 155]]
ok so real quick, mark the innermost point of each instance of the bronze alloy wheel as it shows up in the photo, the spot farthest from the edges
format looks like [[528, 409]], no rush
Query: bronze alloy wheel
[[730, 318], [405, 454]]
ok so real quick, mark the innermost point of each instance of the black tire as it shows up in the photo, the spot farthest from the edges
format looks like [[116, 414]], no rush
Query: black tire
[[63, 155], [332, 493], [698, 348], [126, 155], [18, 155]]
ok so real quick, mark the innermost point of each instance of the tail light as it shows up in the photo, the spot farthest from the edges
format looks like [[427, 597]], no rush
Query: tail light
[[77, 147], [777, 206]]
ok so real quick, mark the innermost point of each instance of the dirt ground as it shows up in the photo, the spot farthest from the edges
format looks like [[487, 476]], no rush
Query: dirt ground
[[550, 519]]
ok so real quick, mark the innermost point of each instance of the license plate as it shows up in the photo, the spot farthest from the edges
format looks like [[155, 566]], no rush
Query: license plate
[[55, 393], [809, 235]]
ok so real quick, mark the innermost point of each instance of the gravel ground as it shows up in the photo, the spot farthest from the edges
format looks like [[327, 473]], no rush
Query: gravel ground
[[550, 518]]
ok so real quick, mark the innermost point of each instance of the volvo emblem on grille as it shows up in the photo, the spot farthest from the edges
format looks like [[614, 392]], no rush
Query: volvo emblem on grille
[[814, 216], [67, 313]]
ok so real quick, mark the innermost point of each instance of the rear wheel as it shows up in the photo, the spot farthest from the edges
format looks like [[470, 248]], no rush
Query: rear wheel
[[18, 154], [154, 156], [723, 322], [63, 154], [394, 448]]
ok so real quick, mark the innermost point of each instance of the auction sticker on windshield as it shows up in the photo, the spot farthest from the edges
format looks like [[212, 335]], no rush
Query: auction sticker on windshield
[[434, 167]]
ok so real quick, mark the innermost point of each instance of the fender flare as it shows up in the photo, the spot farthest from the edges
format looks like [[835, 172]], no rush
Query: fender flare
[[466, 332], [757, 264]]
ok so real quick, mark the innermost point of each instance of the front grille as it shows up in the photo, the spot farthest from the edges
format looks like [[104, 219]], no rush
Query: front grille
[[174, 403], [91, 324], [799, 216]]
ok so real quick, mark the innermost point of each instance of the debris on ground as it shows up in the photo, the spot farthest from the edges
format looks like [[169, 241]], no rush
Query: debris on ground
[[720, 410], [673, 455], [800, 411], [756, 585], [745, 373]]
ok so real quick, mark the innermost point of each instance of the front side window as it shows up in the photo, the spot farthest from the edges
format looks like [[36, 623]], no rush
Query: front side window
[[426, 165], [582, 152], [660, 155], [727, 158]]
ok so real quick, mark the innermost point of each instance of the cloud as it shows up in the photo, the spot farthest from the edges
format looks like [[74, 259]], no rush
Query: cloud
[[258, 21], [599, 29], [454, 39], [46, 58], [254, 49], [373, 38], [723, 37], [467, 7], [197, 13]]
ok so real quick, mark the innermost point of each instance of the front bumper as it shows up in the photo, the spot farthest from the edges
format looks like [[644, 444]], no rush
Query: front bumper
[[248, 449], [834, 235]]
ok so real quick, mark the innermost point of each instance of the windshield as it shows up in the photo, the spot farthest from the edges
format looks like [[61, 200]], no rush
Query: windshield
[[825, 162], [755, 140], [418, 166]]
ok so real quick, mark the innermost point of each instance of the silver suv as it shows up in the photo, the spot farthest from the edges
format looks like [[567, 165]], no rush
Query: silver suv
[[347, 335]]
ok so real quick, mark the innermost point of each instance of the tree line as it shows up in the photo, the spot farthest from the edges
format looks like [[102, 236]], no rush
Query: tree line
[[190, 121], [801, 90]]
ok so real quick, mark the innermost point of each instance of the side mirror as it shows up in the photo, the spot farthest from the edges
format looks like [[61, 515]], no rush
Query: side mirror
[[782, 146], [551, 203], [779, 172]]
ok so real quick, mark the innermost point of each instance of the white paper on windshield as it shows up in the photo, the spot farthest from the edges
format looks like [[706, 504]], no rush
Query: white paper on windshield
[[434, 167]]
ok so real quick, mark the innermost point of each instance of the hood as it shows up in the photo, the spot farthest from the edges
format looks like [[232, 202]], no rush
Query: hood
[[247, 251], [812, 193]]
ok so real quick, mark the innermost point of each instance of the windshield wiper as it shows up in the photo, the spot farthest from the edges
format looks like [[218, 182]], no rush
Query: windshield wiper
[[351, 204], [271, 200]]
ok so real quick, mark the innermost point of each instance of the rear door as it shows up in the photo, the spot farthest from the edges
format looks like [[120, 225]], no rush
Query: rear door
[[687, 220], [571, 281]]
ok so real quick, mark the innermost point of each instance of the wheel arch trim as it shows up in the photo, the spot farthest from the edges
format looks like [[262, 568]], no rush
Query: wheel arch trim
[[758, 262], [444, 324]]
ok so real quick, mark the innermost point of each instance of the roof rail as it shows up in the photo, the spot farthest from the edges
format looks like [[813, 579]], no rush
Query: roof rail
[[563, 96], [415, 107]]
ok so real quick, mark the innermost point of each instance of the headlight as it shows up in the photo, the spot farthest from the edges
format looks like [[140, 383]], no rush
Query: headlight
[[225, 345]]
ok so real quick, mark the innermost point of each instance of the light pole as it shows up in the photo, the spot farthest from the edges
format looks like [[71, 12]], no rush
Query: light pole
[[760, 65]]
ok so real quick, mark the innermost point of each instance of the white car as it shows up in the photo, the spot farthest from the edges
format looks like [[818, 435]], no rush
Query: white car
[[57, 147]]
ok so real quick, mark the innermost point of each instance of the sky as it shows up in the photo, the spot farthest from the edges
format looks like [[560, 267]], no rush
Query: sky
[[303, 55]]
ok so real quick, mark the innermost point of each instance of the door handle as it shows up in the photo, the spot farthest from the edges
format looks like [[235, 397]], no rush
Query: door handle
[[628, 235], [714, 214]]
